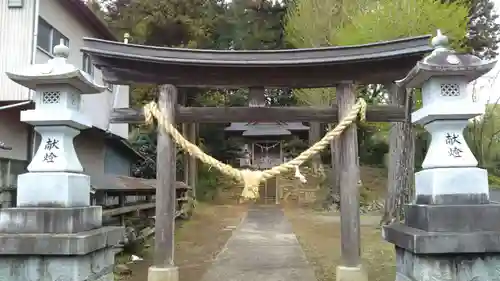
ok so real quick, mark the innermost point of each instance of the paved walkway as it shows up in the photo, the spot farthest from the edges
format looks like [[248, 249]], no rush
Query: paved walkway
[[262, 248]]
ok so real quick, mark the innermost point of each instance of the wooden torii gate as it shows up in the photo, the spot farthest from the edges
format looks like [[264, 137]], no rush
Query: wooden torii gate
[[341, 67]]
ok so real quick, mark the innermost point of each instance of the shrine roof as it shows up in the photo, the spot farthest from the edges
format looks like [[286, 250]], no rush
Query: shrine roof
[[261, 132], [379, 62], [266, 126]]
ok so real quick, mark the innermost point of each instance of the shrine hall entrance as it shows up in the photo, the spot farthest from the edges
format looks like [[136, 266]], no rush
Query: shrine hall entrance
[[268, 192]]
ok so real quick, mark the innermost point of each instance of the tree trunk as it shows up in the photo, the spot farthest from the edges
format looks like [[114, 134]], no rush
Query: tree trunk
[[401, 162]]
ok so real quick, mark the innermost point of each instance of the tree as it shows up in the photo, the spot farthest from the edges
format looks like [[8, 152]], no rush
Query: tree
[[388, 20], [483, 132], [188, 23], [315, 23], [255, 25], [144, 141], [96, 7], [483, 136], [391, 20], [484, 31]]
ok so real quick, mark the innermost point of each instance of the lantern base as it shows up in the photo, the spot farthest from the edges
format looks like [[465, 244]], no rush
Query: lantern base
[[452, 186], [419, 241], [453, 218], [447, 242], [415, 267], [35, 220], [81, 256], [57, 189]]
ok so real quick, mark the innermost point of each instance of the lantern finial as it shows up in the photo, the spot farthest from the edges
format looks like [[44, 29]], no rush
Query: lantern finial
[[126, 37], [440, 41], [61, 50]]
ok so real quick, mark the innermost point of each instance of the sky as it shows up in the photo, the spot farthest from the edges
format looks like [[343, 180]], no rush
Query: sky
[[487, 87]]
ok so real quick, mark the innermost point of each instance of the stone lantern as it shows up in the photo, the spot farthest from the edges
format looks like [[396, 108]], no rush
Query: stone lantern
[[57, 118], [451, 231], [54, 233], [449, 168]]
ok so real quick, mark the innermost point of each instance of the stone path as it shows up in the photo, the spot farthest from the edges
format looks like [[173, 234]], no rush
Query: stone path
[[262, 248]]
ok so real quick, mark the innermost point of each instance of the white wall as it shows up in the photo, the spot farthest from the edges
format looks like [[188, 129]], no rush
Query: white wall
[[122, 100], [90, 150], [16, 34], [97, 106]]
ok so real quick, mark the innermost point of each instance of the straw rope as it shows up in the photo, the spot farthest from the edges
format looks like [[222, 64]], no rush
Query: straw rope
[[250, 178]]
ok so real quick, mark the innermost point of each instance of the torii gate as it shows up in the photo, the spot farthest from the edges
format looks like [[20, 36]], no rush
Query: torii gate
[[340, 67]]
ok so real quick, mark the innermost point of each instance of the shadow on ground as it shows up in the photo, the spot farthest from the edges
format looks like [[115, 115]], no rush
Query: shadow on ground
[[319, 235], [198, 241]]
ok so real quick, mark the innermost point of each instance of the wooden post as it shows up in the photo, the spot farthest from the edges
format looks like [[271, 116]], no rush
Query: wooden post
[[349, 176], [121, 202], [165, 186], [193, 164], [100, 198], [278, 189]]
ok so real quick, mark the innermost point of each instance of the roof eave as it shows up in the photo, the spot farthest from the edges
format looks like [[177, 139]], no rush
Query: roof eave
[[102, 49], [423, 72], [380, 62]]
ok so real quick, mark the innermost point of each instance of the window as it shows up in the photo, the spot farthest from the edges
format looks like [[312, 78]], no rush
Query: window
[[16, 3], [49, 37], [43, 38], [87, 65]]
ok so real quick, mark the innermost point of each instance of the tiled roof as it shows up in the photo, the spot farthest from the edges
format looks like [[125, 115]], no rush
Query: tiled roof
[[124, 183]]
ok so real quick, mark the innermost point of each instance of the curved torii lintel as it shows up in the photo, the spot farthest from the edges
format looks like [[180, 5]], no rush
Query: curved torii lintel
[[380, 62]]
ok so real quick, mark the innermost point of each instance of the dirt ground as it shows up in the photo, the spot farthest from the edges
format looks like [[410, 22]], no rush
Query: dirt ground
[[198, 242], [319, 235]]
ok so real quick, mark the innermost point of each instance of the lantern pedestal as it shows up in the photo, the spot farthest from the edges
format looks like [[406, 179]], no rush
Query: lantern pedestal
[[415, 267], [53, 189], [447, 243], [451, 231], [48, 256], [452, 186]]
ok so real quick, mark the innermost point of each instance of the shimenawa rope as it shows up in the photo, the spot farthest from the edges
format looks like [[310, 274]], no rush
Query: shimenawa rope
[[251, 179]]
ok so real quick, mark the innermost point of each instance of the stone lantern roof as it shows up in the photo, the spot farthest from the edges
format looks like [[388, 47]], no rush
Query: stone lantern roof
[[445, 62], [56, 71], [266, 128]]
